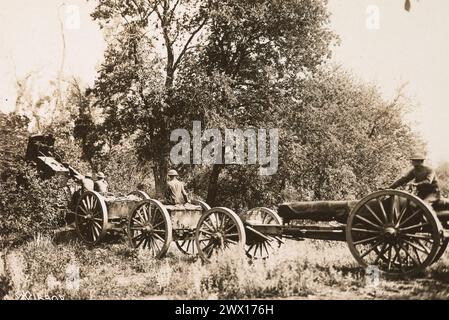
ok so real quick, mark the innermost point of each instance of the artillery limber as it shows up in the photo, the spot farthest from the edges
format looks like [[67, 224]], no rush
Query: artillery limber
[[199, 229], [95, 214], [193, 227]]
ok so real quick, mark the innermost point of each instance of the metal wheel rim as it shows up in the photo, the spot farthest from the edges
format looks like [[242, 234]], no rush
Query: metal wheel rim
[[262, 249], [187, 246], [141, 194], [441, 250]]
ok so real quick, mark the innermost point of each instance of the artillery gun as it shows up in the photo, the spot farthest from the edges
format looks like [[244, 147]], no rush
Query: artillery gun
[[393, 230]]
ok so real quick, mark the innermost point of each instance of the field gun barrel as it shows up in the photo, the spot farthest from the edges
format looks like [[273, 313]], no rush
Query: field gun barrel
[[316, 210]]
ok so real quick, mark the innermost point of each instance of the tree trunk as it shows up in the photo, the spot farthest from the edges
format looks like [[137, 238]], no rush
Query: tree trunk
[[213, 185], [160, 170]]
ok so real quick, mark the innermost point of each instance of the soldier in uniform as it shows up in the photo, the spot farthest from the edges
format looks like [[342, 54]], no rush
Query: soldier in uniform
[[101, 185], [424, 178], [176, 193], [87, 183]]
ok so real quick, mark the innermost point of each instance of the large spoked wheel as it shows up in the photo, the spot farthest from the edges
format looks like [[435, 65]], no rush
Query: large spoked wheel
[[219, 229], [91, 217], [256, 246], [187, 245], [395, 231], [149, 227]]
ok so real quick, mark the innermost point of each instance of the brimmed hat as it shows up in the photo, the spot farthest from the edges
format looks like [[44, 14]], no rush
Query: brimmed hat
[[418, 156], [88, 175], [100, 175], [172, 173]]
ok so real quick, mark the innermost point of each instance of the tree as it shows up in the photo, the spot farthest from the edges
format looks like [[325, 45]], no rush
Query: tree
[[349, 139], [226, 63], [339, 140]]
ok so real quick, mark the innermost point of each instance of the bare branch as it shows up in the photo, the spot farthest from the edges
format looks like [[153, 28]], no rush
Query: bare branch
[[172, 11], [186, 45]]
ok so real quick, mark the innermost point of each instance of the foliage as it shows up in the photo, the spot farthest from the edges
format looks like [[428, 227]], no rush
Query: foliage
[[28, 204], [125, 172], [442, 172], [32, 207], [239, 55], [339, 139], [348, 140], [13, 138]]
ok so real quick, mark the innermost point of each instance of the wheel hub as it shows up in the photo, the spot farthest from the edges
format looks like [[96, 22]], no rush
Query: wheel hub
[[148, 229], [390, 233], [218, 237]]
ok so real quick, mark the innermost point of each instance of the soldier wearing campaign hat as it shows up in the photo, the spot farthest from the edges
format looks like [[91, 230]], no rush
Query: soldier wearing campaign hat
[[101, 185], [176, 193], [424, 177], [87, 183]]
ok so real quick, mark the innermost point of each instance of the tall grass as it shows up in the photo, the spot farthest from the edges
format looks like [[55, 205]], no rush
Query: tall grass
[[307, 269]]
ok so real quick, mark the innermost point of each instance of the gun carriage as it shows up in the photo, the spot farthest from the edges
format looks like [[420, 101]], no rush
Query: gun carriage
[[391, 229]]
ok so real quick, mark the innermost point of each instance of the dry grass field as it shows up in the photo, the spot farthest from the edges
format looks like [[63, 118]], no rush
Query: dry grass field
[[299, 270]]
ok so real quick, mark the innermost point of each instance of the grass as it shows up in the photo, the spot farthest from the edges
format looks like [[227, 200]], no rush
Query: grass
[[299, 270]]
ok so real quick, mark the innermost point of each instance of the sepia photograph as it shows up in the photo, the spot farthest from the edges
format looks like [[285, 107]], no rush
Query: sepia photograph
[[224, 156]]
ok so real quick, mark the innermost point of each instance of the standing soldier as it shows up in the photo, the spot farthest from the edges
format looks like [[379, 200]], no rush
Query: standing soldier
[[176, 193], [101, 185], [425, 180]]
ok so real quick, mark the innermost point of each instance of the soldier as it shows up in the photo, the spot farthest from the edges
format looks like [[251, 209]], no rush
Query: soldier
[[176, 193], [101, 185], [87, 183], [425, 180]]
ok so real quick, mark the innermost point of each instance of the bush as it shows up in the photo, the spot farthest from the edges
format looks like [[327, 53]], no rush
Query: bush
[[30, 206]]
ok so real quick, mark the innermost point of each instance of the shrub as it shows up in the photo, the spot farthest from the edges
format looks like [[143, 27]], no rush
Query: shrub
[[30, 206]]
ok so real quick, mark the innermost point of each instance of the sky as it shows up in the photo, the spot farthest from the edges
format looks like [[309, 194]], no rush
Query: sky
[[380, 43]]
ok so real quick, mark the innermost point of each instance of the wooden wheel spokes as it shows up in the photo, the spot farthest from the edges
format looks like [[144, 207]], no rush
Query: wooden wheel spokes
[[395, 231], [91, 217], [218, 229], [149, 228], [187, 246], [257, 248]]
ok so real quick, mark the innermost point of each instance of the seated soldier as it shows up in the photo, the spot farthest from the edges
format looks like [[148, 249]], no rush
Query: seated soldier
[[424, 177], [87, 183], [101, 185], [176, 193]]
